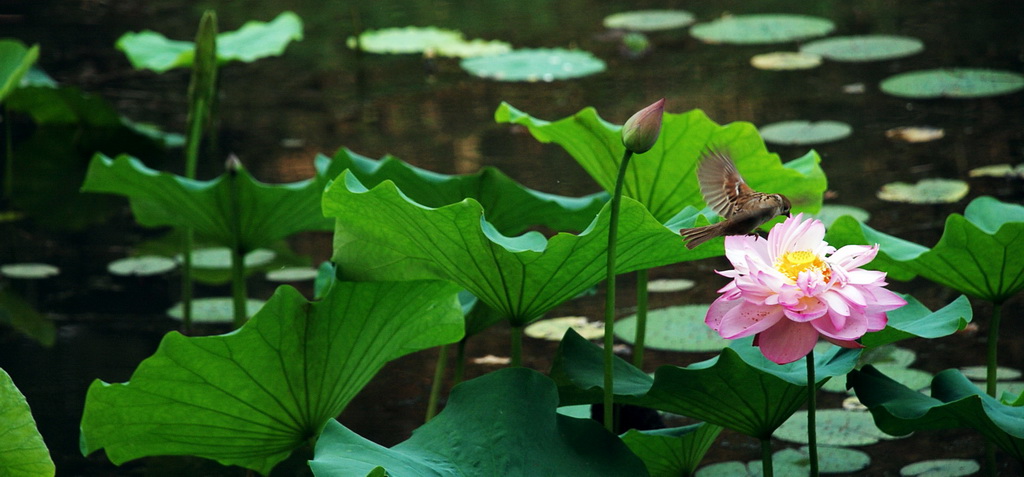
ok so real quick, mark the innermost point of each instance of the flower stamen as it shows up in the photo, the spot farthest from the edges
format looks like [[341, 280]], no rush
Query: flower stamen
[[792, 263]]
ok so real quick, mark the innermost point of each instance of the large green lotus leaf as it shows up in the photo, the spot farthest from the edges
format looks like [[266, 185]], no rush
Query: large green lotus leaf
[[503, 423], [383, 234], [916, 320], [250, 397], [740, 389], [510, 206], [267, 211], [954, 403], [672, 452], [15, 61], [980, 253], [22, 450], [664, 179], [153, 51]]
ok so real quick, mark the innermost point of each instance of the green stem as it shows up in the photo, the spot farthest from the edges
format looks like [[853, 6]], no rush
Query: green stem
[[460, 362], [609, 303], [8, 155], [812, 430], [766, 458], [993, 347], [187, 240], [517, 346], [237, 252], [641, 318], [435, 388]]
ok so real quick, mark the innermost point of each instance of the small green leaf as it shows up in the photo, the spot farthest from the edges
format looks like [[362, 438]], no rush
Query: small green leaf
[[649, 20], [801, 132], [664, 179], [532, 65], [953, 83], [462, 440], [22, 450], [761, 29], [864, 47], [250, 397], [980, 253], [954, 403], [916, 320], [15, 62], [676, 328], [254, 40], [20, 315], [268, 212], [672, 452]]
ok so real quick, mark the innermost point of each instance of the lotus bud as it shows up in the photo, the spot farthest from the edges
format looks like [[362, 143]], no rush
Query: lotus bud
[[641, 130], [233, 164]]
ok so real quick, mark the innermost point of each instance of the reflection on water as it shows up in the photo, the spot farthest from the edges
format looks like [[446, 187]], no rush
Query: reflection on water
[[278, 113]]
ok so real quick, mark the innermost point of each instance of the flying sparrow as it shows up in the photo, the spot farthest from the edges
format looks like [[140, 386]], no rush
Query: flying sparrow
[[725, 191]]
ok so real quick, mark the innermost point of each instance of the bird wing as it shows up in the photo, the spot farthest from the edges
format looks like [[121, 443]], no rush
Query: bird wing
[[720, 182]]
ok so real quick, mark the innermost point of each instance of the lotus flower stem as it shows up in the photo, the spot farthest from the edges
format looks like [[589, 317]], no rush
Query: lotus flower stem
[[812, 430], [993, 342], [8, 155], [641, 318], [766, 457], [609, 302], [516, 357], [435, 387], [460, 361], [238, 293]]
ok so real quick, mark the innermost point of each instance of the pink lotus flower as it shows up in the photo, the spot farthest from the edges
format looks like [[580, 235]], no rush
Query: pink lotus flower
[[793, 287]]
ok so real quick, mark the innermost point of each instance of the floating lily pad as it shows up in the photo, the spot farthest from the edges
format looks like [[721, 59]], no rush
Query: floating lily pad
[[830, 212], [29, 271], [864, 47], [979, 373], [915, 133], [953, 83], [998, 170], [836, 427], [676, 328], [143, 265], [890, 356], [492, 360], [762, 29], [794, 462], [220, 258], [405, 40], [554, 328], [215, 310], [668, 285], [473, 48], [912, 378], [785, 60], [650, 20], [292, 274], [534, 65], [798, 132], [941, 468], [925, 191]]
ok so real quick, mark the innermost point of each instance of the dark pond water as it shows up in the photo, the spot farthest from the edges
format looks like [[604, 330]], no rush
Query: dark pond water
[[277, 114]]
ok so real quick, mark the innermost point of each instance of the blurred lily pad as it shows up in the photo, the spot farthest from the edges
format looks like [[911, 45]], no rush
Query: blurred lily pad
[[925, 191], [143, 265], [676, 328], [292, 274], [473, 48], [794, 462], [405, 40], [836, 427], [830, 212], [799, 132], [864, 47], [220, 257], [762, 29], [941, 468], [649, 20], [998, 170], [915, 133], [785, 60], [667, 285], [28, 271], [979, 373], [533, 65], [953, 83], [215, 310], [553, 329]]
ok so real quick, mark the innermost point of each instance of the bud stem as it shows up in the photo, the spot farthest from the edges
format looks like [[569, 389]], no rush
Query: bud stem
[[609, 303]]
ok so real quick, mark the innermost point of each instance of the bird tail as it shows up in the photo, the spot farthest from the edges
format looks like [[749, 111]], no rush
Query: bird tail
[[698, 235]]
